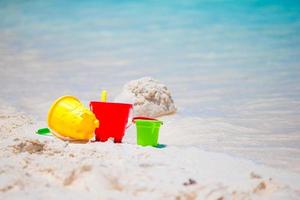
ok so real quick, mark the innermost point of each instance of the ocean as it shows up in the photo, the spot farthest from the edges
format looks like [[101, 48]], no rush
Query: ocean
[[233, 67]]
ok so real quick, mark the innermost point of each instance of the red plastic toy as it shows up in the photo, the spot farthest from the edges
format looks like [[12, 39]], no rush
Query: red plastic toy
[[113, 118]]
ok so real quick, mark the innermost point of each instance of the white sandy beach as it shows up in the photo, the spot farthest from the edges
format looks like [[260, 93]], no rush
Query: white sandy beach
[[43, 167], [231, 67]]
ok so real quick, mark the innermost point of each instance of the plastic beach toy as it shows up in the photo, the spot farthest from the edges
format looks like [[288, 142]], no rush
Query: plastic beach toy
[[68, 118], [43, 131], [147, 130], [113, 118], [103, 96]]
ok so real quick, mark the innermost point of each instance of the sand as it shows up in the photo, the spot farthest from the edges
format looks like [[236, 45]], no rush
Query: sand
[[150, 97], [43, 167]]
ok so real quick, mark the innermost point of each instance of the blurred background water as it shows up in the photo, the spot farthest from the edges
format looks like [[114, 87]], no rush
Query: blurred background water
[[236, 63]]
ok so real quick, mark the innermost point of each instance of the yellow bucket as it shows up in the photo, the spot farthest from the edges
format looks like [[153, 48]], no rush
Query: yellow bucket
[[68, 118]]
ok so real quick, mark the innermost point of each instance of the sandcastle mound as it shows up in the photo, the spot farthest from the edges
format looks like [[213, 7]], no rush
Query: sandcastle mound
[[149, 97]]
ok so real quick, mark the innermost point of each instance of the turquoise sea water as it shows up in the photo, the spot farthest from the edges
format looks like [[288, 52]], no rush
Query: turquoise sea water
[[234, 61]]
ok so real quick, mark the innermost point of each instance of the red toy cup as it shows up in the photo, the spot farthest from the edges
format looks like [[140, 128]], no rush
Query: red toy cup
[[113, 119]]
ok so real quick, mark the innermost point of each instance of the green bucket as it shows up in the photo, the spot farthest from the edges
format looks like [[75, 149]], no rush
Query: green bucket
[[147, 132]]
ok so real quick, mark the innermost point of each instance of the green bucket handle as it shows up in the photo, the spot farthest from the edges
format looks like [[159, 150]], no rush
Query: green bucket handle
[[146, 118]]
